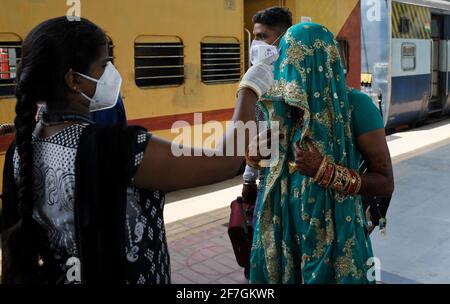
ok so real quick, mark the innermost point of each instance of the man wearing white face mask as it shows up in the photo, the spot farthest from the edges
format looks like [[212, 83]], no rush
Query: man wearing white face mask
[[269, 26]]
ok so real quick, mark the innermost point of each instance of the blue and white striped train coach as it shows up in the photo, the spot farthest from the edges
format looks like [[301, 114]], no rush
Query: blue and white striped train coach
[[406, 58]]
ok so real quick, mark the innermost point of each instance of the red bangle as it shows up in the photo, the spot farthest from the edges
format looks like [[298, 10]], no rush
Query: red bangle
[[355, 184], [327, 176]]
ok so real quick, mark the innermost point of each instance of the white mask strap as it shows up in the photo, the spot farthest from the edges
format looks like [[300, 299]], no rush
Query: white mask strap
[[87, 97], [87, 77], [93, 79]]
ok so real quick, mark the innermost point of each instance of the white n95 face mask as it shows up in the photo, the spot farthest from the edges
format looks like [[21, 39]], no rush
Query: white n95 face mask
[[107, 90], [262, 52]]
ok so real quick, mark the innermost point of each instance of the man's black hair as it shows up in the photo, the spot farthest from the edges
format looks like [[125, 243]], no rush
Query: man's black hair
[[274, 17]]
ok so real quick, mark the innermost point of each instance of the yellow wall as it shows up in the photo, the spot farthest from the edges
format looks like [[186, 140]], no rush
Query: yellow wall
[[292, 5], [170, 136], [191, 20], [124, 21], [187, 19], [331, 13], [251, 7]]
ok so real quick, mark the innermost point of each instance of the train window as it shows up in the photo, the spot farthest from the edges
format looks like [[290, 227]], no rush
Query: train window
[[159, 61], [10, 56], [404, 25], [408, 56], [345, 53], [221, 60]]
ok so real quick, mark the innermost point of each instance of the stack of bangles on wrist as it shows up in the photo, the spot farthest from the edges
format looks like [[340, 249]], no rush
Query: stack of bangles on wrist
[[338, 178], [252, 162]]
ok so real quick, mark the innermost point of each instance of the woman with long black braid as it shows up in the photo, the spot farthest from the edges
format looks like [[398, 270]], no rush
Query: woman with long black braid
[[81, 202]]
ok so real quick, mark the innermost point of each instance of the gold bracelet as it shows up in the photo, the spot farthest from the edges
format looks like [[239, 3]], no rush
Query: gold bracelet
[[321, 170], [338, 178], [342, 179]]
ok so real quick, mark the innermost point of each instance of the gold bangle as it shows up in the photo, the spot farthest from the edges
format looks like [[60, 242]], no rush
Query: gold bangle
[[321, 170], [341, 180], [355, 181], [328, 175], [347, 179]]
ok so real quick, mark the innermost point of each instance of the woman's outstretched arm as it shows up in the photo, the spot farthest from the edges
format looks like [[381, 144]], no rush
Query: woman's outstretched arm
[[162, 170]]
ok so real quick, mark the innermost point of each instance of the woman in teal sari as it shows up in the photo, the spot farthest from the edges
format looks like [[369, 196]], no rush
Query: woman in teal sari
[[310, 224]]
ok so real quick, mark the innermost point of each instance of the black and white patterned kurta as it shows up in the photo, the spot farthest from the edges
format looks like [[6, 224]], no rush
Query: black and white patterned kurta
[[54, 195]]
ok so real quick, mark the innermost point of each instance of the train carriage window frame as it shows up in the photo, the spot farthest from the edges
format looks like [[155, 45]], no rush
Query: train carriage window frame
[[408, 56], [10, 57], [158, 61], [221, 60]]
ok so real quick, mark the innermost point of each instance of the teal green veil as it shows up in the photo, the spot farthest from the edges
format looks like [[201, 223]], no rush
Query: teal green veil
[[306, 233]]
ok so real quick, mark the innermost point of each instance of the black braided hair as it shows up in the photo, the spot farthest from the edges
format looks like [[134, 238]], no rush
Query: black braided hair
[[50, 50]]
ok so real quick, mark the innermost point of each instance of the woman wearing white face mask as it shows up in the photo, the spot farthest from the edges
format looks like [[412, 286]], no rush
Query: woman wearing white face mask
[[84, 203], [107, 89]]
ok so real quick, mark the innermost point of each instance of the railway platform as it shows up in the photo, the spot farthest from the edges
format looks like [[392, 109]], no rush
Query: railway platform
[[414, 250]]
